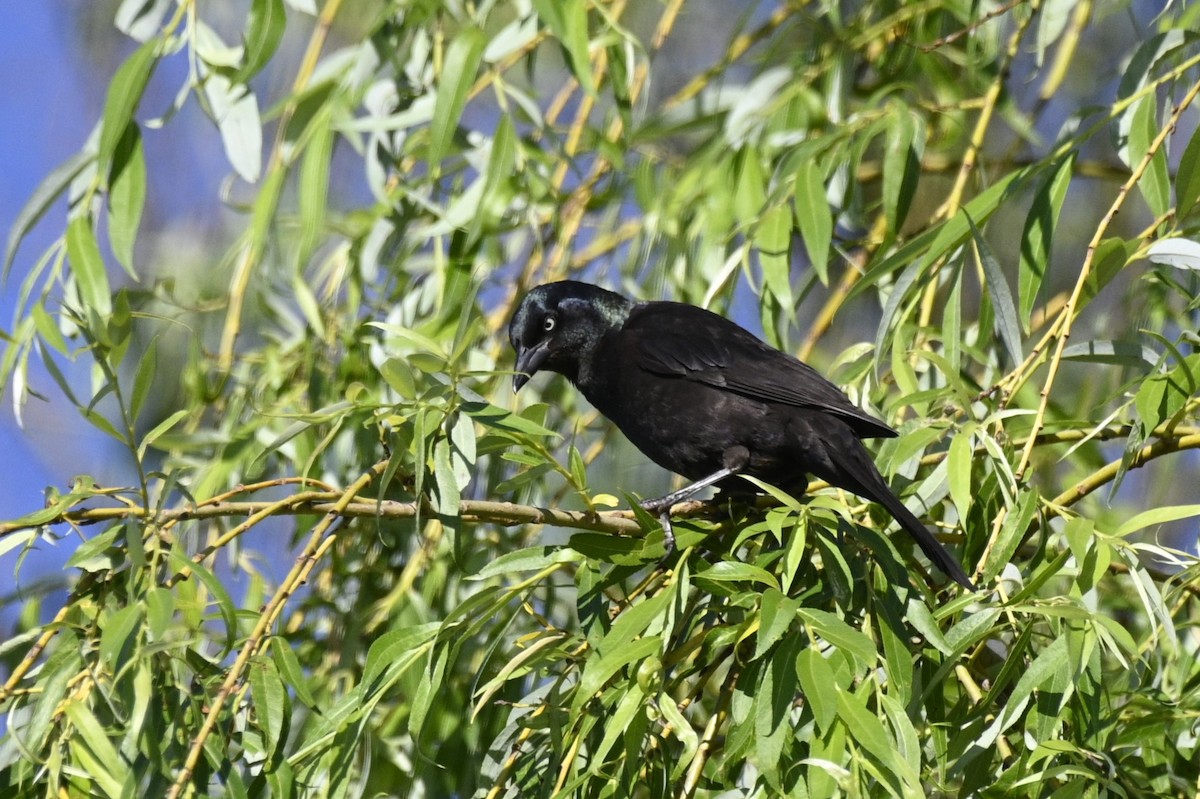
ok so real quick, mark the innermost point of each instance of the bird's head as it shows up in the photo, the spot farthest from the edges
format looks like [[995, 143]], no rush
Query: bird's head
[[558, 327]]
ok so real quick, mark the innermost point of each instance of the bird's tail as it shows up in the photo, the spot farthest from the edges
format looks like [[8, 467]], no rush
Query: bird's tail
[[854, 470], [932, 548]]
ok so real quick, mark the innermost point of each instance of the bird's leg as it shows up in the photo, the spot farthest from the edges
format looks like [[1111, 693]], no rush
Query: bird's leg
[[735, 460]]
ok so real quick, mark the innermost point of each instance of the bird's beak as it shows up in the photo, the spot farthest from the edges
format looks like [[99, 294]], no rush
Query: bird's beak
[[529, 361]]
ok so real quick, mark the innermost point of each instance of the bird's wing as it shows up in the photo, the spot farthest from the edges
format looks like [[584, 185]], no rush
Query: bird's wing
[[678, 340]]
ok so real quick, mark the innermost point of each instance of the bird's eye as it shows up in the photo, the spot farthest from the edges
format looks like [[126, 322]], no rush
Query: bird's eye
[[548, 324]]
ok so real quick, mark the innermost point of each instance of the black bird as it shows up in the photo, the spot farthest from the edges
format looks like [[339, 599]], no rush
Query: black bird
[[702, 397]]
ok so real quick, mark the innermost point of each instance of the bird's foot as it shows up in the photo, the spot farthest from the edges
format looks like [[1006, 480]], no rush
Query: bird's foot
[[662, 506]]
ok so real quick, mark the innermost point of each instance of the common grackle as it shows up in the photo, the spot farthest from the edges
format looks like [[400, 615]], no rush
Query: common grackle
[[706, 399]]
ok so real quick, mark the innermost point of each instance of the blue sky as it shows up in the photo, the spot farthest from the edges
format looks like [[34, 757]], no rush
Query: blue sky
[[48, 113]]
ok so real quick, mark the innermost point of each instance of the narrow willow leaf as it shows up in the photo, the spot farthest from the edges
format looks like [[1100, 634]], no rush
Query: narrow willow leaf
[[960, 459], [161, 428], [290, 670], [598, 671], [139, 19], [454, 84], [842, 635], [124, 94], [901, 166], [235, 110], [1120, 353], [126, 197], [270, 703], [777, 612], [144, 379], [447, 495], [866, 728], [49, 190], [997, 289], [397, 649], [1038, 236], [88, 265], [524, 560], [683, 732], [1011, 533], [1156, 516], [1176, 252], [181, 563], [819, 686], [264, 31], [1154, 184], [1187, 178], [773, 239], [119, 628], [107, 767], [574, 38], [727, 571], [814, 219], [1111, 257], [314, 183]]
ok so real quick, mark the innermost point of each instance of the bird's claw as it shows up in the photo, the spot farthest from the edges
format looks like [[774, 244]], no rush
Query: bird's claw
[[664, 517]]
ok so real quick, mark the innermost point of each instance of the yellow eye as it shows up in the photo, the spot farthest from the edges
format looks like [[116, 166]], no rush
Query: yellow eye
[[548, 324]]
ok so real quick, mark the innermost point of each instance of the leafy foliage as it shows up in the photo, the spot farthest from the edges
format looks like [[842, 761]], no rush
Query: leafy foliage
[[346, 564]]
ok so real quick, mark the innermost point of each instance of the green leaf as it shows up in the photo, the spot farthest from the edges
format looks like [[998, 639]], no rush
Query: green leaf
[[818, 684], [290, 671], [578, 468], [397, 650], [88, 266], [901, 166], [1051, 659], [837, 632], [1155, 182], [524, 560], [1015, 524], [1172, 513], [958, 470], [1163, 395], [106, 766], [94, 554], [446, 497], [567, 20], [454, 84], [161, 428], [1187, 178], [47, 192], [1000, 296], [922, 620], [144, 379], [314, 183], [126, 197], [773, 238], [270, 703], [124, 94], [813, 216], [1111, 256], [866, 728], [1038, 235], [776, 616], [119, 627], [264, 31], [727, 571], [181, 563], [598, 671], [160, 611]]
